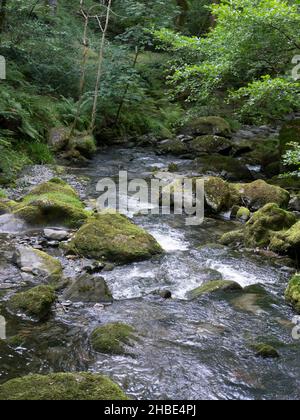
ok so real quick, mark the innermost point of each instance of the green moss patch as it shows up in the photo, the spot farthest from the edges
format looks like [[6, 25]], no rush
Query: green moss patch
[[292, 293], [112, 338], [61, 386]]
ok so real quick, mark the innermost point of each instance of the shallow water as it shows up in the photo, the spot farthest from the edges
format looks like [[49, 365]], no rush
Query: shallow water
[[188, 350]]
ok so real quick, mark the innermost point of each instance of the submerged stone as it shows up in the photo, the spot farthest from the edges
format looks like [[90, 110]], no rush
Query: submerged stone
[[113, 237], [112, 338], [265, 351], [212, 287], [61, 386]]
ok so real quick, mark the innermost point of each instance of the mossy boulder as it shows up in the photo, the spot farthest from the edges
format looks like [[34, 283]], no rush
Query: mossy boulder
[[211, 125], [52, 203], [6, 206], [61, 387], [83, 143], [243, 214], [287, 242], [292, 293], [174, 147], [58, 138], [289, 183], [113, 237], [213, 287], [88, 288], [226, 167], [35, 302], [265, 351], [113, 338], [48, 269], [211, 144], [217, 194], [234, 237], [265, 223], [290, 133], [259, 193]]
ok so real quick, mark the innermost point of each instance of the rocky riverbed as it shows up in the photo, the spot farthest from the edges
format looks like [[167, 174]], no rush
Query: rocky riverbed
[[189, 316]]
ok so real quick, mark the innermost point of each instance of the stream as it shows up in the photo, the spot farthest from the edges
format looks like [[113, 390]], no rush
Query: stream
[[187, 349]]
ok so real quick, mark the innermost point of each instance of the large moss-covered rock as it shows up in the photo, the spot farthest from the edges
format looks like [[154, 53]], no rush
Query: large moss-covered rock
[[40, 264], [290, 133], [292, 293], [58, 138], [6, 205], [87, 288], [35, 302], [264, 223], [217, 194], [52, 203], [287, 242], [61, 386], [262, 228], [211, 144], [113, 338], [113, 237], [84, 143], [174, 147], [243, 214], [226, 167], [208, 125], [235, 237], [259, 193], [212, 287]]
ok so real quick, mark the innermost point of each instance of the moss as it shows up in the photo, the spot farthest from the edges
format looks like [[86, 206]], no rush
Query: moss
[[225, 166], [87, 288], [58, 138], [290, 132], [217, 194], [53, 202], [262, 225], [61, 386], [85, 144], [243, 214], [48, 268], [211, 144], [2, 194], [287, 242], [259, 193], [35, 302], [113, 237], [290, 183], [112, 338], [175, 147], [173, 167], [232, 238], [6, 206], [214, 286], [265, 350], [292, 293], [211, 125]]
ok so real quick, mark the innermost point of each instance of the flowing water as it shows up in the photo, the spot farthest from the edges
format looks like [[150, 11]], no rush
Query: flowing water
[[188, 349]]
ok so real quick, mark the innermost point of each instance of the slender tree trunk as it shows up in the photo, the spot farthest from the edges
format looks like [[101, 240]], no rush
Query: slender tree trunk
[[83, 66], [3, 4], [100, 63], [184, 8], [53, 6], [213, 19], [127, 88]]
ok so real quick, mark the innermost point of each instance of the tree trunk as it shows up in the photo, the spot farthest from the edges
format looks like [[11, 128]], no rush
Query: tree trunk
[[3, 4], [184, 8], [213, 19]]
